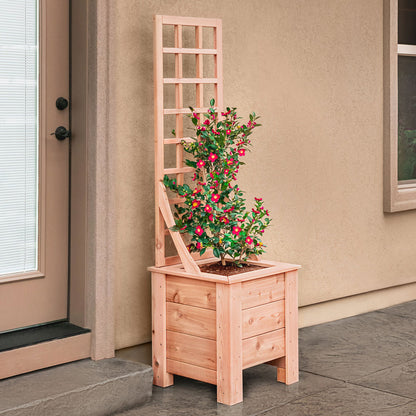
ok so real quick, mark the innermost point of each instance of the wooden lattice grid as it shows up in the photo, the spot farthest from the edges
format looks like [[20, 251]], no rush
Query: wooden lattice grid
[[163, 210]]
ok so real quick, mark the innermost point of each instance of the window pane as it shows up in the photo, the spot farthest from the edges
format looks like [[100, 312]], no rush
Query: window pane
[[18, 135], [407, 22], [407, 118]]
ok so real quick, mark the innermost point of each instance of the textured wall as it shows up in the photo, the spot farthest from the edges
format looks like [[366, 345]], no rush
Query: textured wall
[[313, 70]]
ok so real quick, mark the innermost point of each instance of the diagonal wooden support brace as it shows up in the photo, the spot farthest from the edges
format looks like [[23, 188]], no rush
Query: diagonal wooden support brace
[[188, 262]]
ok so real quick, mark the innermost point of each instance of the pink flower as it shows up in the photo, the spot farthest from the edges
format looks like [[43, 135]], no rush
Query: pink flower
[[206, 122], [190, 216], [236, 230], [258, 199], [225, 220], [198, 245], [255, 211], [211, 217], [200, 163], [242, 152], [228, 132], [195, 115], [215, 198], [212, 157], [240, 219], [208, 209], [226, 171], [230, 162], [249, 240], [199, 230], [196, 203]]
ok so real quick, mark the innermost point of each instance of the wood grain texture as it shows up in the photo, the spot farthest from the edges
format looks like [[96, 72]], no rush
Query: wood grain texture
[[191, 292], [189, 21], [193, 350], [190, 81], [290, 374], [168, 111], [44, 354], [161, 377], [158, 136], [178, 101], [263, 348], [263, 318], [191, 320], [192, 371], [229, 346], [263, 290], [191, 51]]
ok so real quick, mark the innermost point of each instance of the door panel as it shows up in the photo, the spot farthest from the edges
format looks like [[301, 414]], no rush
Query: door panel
[[39, 295]]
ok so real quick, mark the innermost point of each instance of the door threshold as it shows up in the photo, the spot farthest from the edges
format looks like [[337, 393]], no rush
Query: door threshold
[[35, 335], [24, 351]]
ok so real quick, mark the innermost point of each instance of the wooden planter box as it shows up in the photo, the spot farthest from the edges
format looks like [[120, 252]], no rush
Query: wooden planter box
[[210, 327]]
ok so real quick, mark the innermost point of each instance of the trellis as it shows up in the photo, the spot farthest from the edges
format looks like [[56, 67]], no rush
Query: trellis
[[163, 211], [205, 326]]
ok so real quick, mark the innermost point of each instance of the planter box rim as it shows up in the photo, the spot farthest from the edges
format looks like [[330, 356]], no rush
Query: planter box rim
[[269, 268]]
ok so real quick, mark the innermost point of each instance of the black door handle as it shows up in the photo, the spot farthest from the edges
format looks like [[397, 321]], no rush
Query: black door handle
[[61, 133], [61, 103]]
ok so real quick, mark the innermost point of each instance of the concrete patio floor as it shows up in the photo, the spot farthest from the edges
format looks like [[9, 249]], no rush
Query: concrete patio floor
[[364, 365]]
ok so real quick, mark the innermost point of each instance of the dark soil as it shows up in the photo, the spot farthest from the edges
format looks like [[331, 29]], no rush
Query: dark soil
[[229, 269]]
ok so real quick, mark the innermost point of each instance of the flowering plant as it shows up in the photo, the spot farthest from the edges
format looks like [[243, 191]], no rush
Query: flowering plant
[[214, 211]]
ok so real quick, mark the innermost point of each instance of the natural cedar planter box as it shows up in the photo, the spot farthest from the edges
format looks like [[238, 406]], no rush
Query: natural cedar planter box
[[206, 326], [210, 327]]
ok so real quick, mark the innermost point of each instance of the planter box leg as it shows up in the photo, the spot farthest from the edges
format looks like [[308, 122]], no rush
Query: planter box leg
[[161, 377], [288, 366], [229, 344]]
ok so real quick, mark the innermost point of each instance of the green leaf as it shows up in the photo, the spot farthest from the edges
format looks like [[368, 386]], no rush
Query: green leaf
[[216, 252], [190, 163], [212, 102]]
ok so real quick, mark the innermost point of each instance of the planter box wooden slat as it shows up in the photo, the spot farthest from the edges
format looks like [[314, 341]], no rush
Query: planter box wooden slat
[[191, 320], [192, 371], [263, 318], [191, 349], [190, 292], [259, 291], [263, 348]]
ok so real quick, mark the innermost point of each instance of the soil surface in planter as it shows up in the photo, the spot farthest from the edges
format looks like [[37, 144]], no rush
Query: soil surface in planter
[[229, 269]]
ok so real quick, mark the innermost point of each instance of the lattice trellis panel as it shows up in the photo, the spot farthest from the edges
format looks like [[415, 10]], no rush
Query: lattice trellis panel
[[164, 217]]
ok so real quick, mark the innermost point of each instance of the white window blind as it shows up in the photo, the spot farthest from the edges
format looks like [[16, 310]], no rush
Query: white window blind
[[18, 136]]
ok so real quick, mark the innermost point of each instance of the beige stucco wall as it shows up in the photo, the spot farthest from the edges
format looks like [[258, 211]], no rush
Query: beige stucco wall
[[313, 70]]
